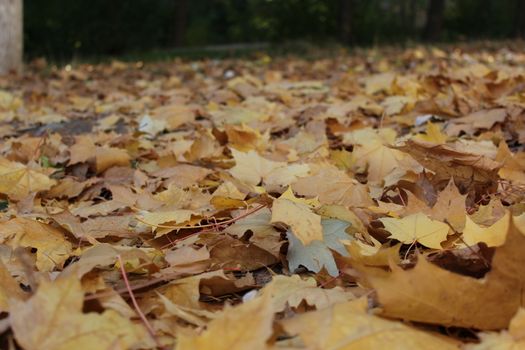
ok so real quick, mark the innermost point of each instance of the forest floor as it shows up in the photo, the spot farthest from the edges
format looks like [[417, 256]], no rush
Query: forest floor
[[364, 201]]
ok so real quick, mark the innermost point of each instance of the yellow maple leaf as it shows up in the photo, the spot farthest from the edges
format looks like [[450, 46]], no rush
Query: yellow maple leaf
[[373, 154], [513, 168], [493, 235], [333, 186], [107, 157], [350, 326], [396, 104], [292, 290], [9, 288], [378, 82], [52, 319], [290, 195], [246, 326], [177, 216], [432, 134], [52, 247], [18, 180], [417, 294], [417, 228], [250, 167], [305, 224]]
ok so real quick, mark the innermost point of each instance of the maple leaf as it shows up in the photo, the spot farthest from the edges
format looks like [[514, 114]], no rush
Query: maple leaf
[[373, 154], [317, 254], [264, 235], [492, 236], [292, 291], [251, 168], [17, 180], [378, 82], [431, 294], [9, 289], [396, 104], [417, 228], [349, 326], [332, 186], [52, 247], [432, 134], [482, 119], [52, 319], [104, 156], [231, 253], [305, 224], [173, 115], [246, 326], [450, 207], [513, 168], [447, 162]]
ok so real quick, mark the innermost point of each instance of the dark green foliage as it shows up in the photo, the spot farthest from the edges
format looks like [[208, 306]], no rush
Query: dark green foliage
[[63, 29]]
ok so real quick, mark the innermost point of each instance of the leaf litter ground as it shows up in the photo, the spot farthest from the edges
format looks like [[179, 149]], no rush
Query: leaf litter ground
[[364, 201]]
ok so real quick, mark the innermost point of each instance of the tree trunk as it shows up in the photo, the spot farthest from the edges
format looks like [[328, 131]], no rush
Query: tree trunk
[[181, 19], [434, 24], [11, 43], [345, 26]]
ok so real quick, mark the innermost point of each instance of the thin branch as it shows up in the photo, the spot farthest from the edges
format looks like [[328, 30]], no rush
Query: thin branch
[[148, 326]]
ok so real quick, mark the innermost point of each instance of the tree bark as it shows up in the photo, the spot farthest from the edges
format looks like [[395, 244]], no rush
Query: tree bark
[[345, 26], [11, 39], [434, 23]]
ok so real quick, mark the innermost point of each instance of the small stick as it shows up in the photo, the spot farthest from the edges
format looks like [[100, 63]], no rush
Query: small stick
[[135, 304], [205, 225]]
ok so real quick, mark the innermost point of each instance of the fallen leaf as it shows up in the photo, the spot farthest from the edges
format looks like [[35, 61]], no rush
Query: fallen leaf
[[53, 319], [292, 291], [417, 228], [17, 180], [305, 224], [349, 326], [332, 186], [246, 326], [447, 162], [52, 248], [431, 294], [432, 134], [492, 236], [317, 254], [9, 289], [251, 168]]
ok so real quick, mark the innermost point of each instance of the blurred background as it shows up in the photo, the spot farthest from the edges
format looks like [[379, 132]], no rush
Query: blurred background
[[62, 30]]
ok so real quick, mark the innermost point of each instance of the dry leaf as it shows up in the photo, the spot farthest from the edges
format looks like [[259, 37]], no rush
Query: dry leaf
[[492, 236], [447, 163], [245, 326], [251, 168], [292, 291], [304, 224], [430, 294], [53, 320], [17, 180], [417, 228], [349, 326], [52, 248]]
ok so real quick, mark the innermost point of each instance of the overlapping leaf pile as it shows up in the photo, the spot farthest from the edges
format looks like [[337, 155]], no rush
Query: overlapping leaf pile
[[365, 201]]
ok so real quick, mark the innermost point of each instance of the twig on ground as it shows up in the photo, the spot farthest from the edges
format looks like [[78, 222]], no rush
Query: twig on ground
[[148, 326]]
